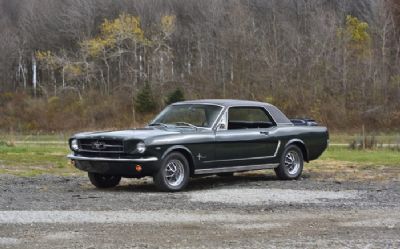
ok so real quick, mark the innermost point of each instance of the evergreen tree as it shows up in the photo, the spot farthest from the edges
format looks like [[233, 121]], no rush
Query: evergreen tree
[[144, 101], [175, 96]]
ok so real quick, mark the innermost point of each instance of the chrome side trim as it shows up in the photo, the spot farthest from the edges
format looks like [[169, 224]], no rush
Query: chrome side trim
[[235, 169], [105, 159], [277, 148], [250, 158]]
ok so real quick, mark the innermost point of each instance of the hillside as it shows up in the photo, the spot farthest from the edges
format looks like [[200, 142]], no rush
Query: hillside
[[336, 61]]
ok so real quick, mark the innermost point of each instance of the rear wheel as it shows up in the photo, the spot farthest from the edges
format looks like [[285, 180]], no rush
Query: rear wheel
[[291, 165], [104, 181], [173, 174]]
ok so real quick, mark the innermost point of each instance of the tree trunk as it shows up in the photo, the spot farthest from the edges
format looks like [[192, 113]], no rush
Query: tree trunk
[[34, 74]]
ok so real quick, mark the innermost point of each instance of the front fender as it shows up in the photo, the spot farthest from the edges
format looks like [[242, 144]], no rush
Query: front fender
[[176, 148]]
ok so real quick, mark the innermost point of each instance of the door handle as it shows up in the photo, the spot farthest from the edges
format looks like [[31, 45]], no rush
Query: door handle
[[266, 133]]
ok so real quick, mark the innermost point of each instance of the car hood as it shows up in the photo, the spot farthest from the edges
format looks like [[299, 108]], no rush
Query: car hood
[[142, 134]]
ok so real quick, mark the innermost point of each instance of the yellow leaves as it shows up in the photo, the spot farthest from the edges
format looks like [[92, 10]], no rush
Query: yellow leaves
[[168, 23], [73, 70], [46, 57], [96, 46], [54, 62], [357, 29], [356, 34], [43, 55], [124, 27], [269, 99]]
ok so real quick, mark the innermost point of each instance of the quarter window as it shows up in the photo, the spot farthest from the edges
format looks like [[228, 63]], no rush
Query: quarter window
[[248, 118]]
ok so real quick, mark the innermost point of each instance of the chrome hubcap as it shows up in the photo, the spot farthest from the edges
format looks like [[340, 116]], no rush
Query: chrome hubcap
[[292, 162], [174, 173]]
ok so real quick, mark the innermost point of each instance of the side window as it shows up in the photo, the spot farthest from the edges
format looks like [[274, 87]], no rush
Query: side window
[[248, 118]]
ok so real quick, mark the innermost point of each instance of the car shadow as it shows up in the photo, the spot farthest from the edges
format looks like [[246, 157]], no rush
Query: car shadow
[[204, 183], [198, 183]]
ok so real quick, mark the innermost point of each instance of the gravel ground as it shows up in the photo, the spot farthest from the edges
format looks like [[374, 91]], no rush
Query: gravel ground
[[244, 211]]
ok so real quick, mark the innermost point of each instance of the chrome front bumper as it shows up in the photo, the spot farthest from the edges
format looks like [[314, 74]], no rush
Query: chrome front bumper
[[105, 159]]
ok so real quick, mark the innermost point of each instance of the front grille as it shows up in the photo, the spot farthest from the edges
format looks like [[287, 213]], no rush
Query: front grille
[[103, 154], [101, 145]]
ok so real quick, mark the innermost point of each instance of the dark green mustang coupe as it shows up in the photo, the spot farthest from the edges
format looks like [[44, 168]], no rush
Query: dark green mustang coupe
[[201, 137]]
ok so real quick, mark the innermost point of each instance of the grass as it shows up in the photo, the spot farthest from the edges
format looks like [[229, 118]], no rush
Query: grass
[[342, 164], [59, 137], [35, 159], [377, 157], [30, 159]]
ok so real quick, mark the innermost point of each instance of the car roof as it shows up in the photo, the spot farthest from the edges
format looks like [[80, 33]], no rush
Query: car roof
[[276, 114], [224, 102]]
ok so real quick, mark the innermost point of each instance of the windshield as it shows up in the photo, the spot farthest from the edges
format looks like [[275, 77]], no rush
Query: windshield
[[188, 115]]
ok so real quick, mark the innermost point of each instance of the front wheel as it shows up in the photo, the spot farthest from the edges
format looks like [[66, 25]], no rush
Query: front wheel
[[173, 174], [103, 181], [291, 165]]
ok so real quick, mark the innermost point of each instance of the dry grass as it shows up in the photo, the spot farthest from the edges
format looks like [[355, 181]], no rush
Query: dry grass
[[351, 171]]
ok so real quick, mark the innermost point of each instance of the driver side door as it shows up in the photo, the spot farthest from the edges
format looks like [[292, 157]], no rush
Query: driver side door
[[249, 138]]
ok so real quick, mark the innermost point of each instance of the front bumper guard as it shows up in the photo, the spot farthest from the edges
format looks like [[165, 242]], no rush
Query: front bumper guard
[[105, 159]]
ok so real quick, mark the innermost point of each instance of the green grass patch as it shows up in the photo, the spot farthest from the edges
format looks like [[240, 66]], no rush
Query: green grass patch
[[35, 159], [377, 157], [30, 159]]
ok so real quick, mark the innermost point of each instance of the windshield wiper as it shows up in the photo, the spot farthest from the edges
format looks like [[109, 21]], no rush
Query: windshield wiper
[[185, 124], [159, 124]]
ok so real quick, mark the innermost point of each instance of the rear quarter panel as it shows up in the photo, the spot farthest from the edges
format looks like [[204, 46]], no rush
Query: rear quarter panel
[[315, 138]]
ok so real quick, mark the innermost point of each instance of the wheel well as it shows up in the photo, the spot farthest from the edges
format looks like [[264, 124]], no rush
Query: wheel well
[[303, 150], [188, 157]]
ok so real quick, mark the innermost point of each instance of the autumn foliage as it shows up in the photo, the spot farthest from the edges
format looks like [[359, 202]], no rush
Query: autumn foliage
[[117, 63]]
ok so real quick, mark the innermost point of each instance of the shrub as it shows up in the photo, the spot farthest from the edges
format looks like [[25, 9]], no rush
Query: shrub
[[175, 96], [6, 143], [144, 101], [368, 142]]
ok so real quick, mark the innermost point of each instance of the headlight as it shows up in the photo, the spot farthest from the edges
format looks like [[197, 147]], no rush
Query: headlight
[[74, 145], [141, 147]]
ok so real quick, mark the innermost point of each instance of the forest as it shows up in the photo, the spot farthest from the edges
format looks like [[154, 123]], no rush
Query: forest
[[95, 64]]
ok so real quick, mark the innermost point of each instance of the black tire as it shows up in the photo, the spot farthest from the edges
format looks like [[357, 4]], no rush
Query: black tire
[[227, 174], [104, 181], [286, 170], [166, 180]]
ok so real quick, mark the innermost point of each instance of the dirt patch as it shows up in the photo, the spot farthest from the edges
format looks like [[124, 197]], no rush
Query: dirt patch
[[7, 241], [251, 210], [252, 196], [349, 171]]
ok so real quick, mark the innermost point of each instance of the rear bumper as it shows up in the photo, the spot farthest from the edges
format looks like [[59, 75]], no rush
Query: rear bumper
[[125, 167]]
